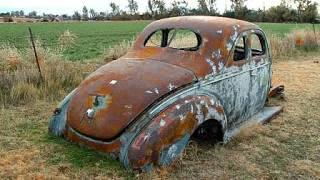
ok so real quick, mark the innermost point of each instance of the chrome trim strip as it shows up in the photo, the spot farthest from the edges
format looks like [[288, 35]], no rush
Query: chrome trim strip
[[89, 139]]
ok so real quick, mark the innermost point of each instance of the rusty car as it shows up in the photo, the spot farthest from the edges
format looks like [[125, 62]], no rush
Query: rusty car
[[185, 77]]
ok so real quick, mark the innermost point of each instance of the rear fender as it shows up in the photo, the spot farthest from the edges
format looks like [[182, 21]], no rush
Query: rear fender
[[165, 137], [57, 123]]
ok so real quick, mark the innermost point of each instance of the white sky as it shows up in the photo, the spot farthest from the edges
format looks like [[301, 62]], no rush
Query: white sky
[[69, 6]]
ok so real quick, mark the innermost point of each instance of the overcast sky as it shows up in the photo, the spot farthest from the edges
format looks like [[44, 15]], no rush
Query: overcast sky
[[69, 6]]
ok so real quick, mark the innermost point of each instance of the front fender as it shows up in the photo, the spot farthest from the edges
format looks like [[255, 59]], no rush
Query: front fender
[[165, 137]]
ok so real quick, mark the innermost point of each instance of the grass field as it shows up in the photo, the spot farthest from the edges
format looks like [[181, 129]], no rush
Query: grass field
[[94, 37]]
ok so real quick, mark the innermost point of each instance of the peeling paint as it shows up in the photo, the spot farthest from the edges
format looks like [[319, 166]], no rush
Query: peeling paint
[[113, 82], [216, 54], [171, 87], [219, 31], [156, 90], [162, 123], [149, 92], [90, 113]]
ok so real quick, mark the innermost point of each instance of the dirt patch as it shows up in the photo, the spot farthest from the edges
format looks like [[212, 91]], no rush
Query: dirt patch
[[25, 164]]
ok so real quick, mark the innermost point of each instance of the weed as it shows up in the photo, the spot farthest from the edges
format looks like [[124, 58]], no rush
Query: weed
[[115, 52]]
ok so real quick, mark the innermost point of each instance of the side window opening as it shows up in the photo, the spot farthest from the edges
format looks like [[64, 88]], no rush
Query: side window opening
[[183, 39], [240, 50], [257, 45], [155, 40]]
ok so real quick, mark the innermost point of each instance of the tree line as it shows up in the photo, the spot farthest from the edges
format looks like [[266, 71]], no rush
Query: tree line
[[286, 11]]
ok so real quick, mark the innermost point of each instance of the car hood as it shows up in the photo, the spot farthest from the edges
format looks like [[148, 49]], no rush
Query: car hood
[[108, 100]]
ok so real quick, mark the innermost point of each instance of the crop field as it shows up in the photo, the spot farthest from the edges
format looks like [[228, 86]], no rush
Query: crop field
[[286, 148], [92, 38]]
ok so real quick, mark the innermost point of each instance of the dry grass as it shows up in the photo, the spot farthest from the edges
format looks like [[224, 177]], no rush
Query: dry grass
[[115, 52], [66, 40], [291, 43], [20, 81]]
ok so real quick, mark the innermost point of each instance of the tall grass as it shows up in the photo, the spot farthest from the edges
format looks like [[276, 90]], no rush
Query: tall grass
[[118, 50], [20, 81], [294, 42]]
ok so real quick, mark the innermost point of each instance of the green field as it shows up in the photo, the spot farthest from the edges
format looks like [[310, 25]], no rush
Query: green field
[[94, 37]]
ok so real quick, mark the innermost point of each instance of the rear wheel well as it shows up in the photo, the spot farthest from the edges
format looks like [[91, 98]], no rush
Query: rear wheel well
[[209, 132]]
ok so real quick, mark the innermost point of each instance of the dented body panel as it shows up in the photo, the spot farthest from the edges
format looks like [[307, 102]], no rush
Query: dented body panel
[[144, 107]]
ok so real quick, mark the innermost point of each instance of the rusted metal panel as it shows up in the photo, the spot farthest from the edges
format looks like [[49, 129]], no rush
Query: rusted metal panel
[[144, 107], [113, 96]]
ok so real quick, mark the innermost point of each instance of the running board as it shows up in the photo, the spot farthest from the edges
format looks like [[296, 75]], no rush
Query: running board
[[263, 117], [267, 114]]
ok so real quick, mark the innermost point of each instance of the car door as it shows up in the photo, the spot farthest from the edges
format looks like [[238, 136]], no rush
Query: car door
[[236, 85], [260, 64]]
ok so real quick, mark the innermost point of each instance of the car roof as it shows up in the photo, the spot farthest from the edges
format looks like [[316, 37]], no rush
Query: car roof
[[218, 36], [201, 23]]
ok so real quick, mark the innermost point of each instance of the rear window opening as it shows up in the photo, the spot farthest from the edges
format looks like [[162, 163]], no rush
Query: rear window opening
[[181, 39]]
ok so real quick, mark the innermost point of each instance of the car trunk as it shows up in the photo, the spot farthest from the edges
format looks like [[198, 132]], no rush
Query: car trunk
[[108, 100]]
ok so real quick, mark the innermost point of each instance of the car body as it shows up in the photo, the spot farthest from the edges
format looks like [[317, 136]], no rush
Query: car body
[[185, 77]]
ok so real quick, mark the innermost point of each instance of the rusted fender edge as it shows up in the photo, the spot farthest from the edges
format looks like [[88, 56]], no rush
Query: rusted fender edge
[[158, 141], [57, 123]]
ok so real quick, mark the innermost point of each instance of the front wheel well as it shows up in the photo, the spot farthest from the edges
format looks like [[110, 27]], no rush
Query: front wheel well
[[210, 131]]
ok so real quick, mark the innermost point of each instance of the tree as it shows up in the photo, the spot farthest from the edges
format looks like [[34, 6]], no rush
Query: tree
[[5, 14], [21, 13], [179, 8], [207, 7], [157, 8], [239, 8], [115, 9], [151, 7], [13, 14], [281, 13], [93, 14], [133, 6], [85, 15], [307, 11], [101, 16], [310, 13], [76, 16], [237, 4], [66, 17], [32, 14]]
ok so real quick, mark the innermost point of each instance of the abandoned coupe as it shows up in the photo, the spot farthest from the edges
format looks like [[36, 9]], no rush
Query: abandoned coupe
[[185, 77]]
